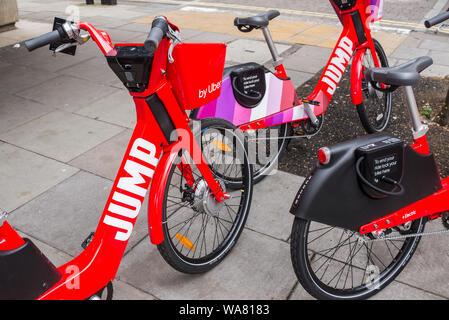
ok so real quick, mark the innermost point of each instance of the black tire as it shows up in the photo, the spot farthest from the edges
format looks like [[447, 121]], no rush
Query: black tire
[[198, 232], [375, 110], [307, 264]]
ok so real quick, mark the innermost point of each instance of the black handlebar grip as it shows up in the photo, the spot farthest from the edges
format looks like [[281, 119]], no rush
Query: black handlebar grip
[[159, 29], [43, 40], [436, 20]]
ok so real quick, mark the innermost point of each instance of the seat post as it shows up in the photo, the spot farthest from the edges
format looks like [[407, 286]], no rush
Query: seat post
[[419, 129], [274, 53]]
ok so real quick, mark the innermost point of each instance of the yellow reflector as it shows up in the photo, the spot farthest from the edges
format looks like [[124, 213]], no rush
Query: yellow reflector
[[221, 146], [185, 242]]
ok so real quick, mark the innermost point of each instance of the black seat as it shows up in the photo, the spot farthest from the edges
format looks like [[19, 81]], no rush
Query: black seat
[[255, 22], [407, 74]]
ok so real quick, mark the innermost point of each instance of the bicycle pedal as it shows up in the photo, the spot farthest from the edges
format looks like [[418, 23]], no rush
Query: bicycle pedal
[[88, 240]]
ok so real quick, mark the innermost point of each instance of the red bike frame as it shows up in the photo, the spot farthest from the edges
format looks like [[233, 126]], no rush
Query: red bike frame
[[354, 40], [147, 162]]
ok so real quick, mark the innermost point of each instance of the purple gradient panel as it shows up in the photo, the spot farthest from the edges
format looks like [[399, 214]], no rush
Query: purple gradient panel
[[242, 115], [208, 110], [275, 119], [226, 103]]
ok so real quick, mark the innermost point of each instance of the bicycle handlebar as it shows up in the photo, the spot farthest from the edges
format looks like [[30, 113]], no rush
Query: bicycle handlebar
[[159, 29], [43, 40], [437, 19]]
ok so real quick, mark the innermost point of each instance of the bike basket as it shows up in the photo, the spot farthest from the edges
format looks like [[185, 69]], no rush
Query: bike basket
[[196, 73], [374, 8], [132, 64]]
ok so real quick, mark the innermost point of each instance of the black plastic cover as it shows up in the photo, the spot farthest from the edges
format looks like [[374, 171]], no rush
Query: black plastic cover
[[381, 159], [332, 193], [25, 273], [248, 84], [162, 117]]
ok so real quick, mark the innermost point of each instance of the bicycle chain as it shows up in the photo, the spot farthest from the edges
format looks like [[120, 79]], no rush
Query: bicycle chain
[[413, 235]]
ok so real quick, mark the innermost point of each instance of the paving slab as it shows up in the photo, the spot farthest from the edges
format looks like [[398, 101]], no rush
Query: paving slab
[[436, 70], [316, 58], [60, 135], [15, 111], [124, 291], [65, 215], [44, 60], [319, 35], [125, 36], [395, 291], [64, 91], [390, 41], [24, 30], [18, 78], [272, 200], [409, 53], [258, 268], [245, 50], [94, 70], [25, 175], [399, 291], [210, 37], [136, 27], [104, 160], [439, 57], [117, 108], [298, 77], [432, 44], [428, 267]]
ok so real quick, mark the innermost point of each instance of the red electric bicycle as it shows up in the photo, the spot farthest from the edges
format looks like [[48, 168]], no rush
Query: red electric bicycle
[[254, 98], [361, 213], [197, 210]]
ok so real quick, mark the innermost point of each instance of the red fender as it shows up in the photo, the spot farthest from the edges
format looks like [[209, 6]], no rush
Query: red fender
[[157, 192], [357, 76]]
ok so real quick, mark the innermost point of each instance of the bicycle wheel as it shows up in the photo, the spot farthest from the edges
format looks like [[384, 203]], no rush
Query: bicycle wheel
[[333, 263], [375, 110], [199, 231], [266, 147]]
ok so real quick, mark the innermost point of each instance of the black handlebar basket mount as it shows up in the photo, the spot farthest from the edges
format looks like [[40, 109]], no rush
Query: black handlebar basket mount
[[57, 24], [132, 64]]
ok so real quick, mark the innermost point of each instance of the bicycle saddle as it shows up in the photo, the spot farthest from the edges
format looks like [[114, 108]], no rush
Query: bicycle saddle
[[406, 74], [256, 22]]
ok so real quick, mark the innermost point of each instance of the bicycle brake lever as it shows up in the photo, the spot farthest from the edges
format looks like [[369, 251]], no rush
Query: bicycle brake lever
[[175, 36], [64, 47]]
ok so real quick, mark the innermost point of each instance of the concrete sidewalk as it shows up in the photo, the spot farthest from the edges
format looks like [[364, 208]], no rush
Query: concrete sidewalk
[[65, 123]]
